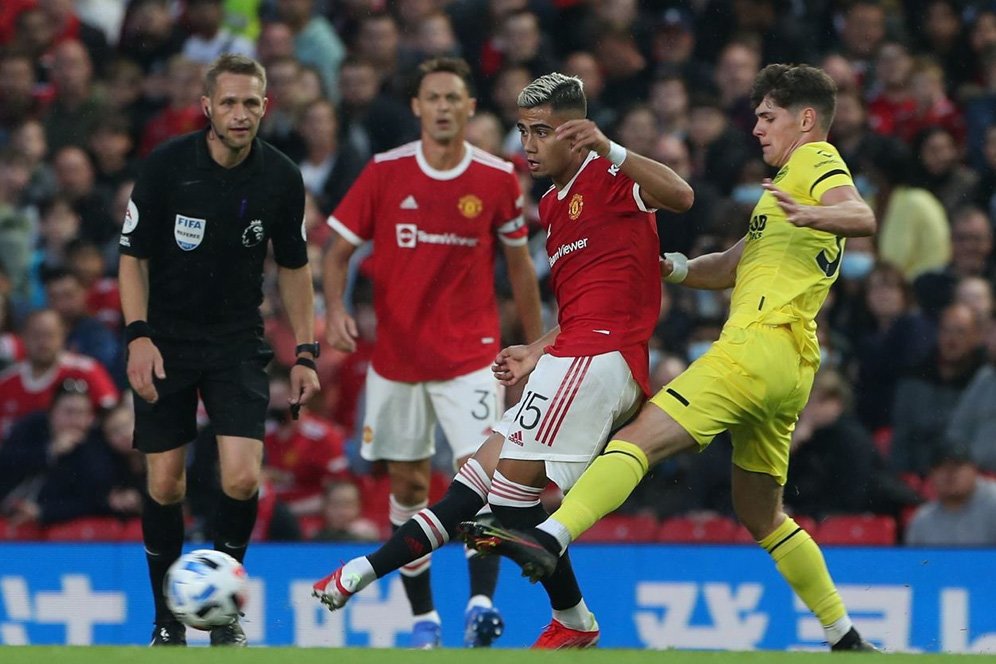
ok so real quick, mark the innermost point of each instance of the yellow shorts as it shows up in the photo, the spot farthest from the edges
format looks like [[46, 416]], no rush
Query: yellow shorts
[[751, 382]]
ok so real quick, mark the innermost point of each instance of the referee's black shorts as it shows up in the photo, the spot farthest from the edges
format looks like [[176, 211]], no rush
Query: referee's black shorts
[[229, 376]]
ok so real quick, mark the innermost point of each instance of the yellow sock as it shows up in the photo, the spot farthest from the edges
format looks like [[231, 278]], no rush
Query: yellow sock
[[799, 560], [603, 487]]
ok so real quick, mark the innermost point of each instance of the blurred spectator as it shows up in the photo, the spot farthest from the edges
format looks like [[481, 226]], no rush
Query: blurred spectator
[[125, 86], [209, 38], [832, 458], [931, 104], [328, 167], [341, 510], [977, 294], [315, 40], [504, 95], [889, 97], [9, 11], [77, 105], [484, 131], [11, 346], [972, 256], [128, 466], [55, 466], [28, 139], [16, 227], [17, 90], [517, 42], [718, 149], [964, 512], [111, 145], [59, 225], [183, 113], [29, 385], [276, 41], [913, 232], [853, 138], [378, 40], [861, 31], [637, 129], [926, 400], [103, 298], [894, 341], [672, 48], [842, 72], [76, 179], [973, 421], [943, 36], [623, 65], [66, 25], [678, 232], [371, 121], [149, 35], [940, 169], [737, 66], [583, 65], [669, 100], [303, 454], [277, 126], [85, 335], [434, 38], [35, 36]]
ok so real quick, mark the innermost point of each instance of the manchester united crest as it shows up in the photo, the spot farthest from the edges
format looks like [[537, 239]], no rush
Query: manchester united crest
[[470, 206], [575, 206]]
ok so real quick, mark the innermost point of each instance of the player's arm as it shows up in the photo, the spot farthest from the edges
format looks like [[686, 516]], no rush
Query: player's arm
[[341, 329], [298, 295], [144, 359], [660, 187], [841, 211], [715, 271], [525, 289]]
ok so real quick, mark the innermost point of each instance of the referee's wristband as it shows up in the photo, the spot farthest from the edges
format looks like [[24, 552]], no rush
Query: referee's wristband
[[680, 270], [616, 154], [306, 362], [137, 329]]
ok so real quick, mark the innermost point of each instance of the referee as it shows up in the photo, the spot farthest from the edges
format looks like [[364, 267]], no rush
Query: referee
[[192, 249]]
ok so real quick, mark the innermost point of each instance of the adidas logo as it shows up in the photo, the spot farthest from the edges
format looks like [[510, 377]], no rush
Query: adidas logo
[[516, 438], [409, 203]]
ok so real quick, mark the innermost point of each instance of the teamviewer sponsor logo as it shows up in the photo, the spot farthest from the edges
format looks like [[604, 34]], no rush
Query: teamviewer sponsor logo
[[565, 249], [407, 235]]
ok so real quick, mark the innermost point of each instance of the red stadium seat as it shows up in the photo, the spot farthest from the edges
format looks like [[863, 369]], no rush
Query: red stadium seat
[[310, 525], [87, 529], [131, 530], [704, 529], [622, 528], [19, 533], [857, 530]]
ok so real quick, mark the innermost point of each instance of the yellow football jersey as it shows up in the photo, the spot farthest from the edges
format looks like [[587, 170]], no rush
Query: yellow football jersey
[[786, 271]]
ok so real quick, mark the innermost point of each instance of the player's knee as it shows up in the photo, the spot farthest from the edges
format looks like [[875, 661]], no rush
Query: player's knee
[[167, 490], [240, 484], [757, 524]]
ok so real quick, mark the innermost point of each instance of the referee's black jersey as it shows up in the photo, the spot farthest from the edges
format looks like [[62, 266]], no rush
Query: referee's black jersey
[[204, 230]]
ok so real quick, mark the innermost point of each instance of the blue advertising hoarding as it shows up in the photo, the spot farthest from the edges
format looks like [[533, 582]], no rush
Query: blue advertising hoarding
[[644, 596]]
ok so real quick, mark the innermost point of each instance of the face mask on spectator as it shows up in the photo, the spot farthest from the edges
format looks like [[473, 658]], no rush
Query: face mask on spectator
[[747, 194], [856, 264]]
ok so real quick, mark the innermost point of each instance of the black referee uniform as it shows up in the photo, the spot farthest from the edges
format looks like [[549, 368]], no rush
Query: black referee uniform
[[204, 230]]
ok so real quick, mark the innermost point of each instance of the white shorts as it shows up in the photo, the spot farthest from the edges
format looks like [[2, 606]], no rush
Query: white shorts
[[567, 411], [401, 418]]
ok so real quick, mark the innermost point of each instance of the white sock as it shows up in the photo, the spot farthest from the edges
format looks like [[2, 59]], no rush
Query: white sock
[[431, 616], [559, 531], [482, 601], [578, 617], [836, 631], [359, 569]]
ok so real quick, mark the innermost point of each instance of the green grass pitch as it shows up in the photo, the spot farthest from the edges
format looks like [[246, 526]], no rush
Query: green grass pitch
[[133, 655]]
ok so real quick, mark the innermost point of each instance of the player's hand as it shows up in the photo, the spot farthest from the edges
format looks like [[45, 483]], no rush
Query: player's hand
[[584, 136], [515, 363], [303, 385], [667, 267], [145, 363], [340, 329], [796, 213]]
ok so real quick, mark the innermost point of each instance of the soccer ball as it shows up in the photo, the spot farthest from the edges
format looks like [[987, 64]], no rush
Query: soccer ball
[[206, 588]]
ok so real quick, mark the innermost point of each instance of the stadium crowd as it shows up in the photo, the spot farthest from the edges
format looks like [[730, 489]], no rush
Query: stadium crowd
[[900, 431]]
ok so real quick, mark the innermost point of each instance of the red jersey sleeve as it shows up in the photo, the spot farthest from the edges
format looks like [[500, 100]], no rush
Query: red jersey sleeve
[[103, 392], [354, 218], [512, 228]]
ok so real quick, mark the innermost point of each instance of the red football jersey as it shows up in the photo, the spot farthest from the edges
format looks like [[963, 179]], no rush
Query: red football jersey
[[20, 394], [311, 455], [433, 262], [603, 250]]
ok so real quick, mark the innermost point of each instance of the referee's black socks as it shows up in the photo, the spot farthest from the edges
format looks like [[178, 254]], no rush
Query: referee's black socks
[[233, 524], [162, 533]]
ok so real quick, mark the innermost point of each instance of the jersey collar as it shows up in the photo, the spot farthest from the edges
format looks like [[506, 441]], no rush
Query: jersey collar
[[561, 194], [451, 174]]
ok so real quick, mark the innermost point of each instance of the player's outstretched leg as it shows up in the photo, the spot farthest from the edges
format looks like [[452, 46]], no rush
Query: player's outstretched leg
[[520, 546], [428, 530]]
